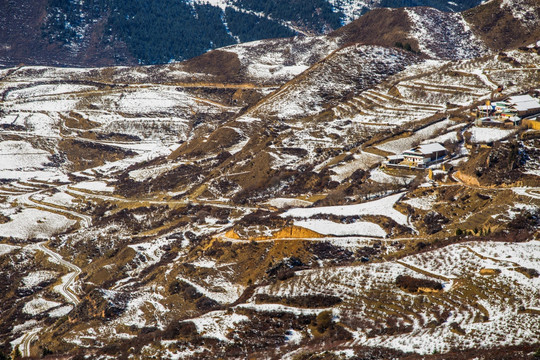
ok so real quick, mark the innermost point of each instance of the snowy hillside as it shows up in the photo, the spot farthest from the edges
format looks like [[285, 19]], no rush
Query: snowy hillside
[[271, 200], [444, 35]]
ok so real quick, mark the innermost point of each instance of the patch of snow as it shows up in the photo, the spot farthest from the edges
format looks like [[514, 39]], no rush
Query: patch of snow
[[59, 198], [47, 90], [327, 227], [24, 326], [100, 186], [222, 4], [238, 147], [450, 136], [525, 254], [363, 161], [222, 290], [31, 174], [282, 308], [150, 100], [275, 71], [38, 306], [61, 311], [380, 176], [47, 105], [149, 253], [527, 191], [204, 263], [217, 324], [423, 203], [485, 134], [18, 155], [281, 203], [6, 249], [402, 144], [517, 208], [383, 207], [151, 172], [353, 9], [293, 336], [37, 277], [33, 223], [137, 308]]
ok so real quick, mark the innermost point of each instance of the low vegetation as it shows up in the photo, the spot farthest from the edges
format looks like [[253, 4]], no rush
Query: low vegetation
[[415, 285]]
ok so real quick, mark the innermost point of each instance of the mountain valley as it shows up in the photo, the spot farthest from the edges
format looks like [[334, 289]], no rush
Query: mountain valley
[[248, 203]]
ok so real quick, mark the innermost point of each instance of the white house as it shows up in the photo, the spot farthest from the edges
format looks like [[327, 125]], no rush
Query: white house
[[519, 105], [424, 155], [524, 105]]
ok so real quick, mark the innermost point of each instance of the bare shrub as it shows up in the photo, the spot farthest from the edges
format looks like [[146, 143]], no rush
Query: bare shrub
[[414, 284]]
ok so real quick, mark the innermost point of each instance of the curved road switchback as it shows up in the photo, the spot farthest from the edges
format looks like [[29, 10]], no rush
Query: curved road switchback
[[26, 200], [27, 340], [66, 287]]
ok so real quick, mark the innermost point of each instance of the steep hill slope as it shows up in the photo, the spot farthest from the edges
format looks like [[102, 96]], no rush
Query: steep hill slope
[[428, 31], [506, 24], [100, 33], [22, 39]]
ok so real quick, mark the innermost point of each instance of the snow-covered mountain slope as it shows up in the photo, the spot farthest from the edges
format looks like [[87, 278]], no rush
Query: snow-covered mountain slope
[[434, 33], [96, 35], [444, 35], [522, 10], [237, 205], [85, 33], [351, 69], [353, 9], [276, 61]]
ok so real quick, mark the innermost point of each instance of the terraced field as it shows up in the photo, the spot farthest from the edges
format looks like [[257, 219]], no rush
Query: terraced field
[[253, 217], [443, 88]]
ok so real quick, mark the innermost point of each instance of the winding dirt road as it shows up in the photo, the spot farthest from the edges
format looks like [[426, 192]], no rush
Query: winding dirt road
[[26, 199], [27, 340], [65, 289]]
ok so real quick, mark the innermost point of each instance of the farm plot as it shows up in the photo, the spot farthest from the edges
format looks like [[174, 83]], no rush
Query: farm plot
[[376, 106], [33, 223]]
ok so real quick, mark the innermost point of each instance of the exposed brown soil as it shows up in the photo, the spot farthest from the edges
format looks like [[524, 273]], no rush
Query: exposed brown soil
[[223, 64], [305, 301], [521, 352], [499, 29], [86, 154], [499, 165], [417, 285], [379, 27]]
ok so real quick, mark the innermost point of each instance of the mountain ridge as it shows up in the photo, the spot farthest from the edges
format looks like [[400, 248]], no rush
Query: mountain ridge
[[104, 33]]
